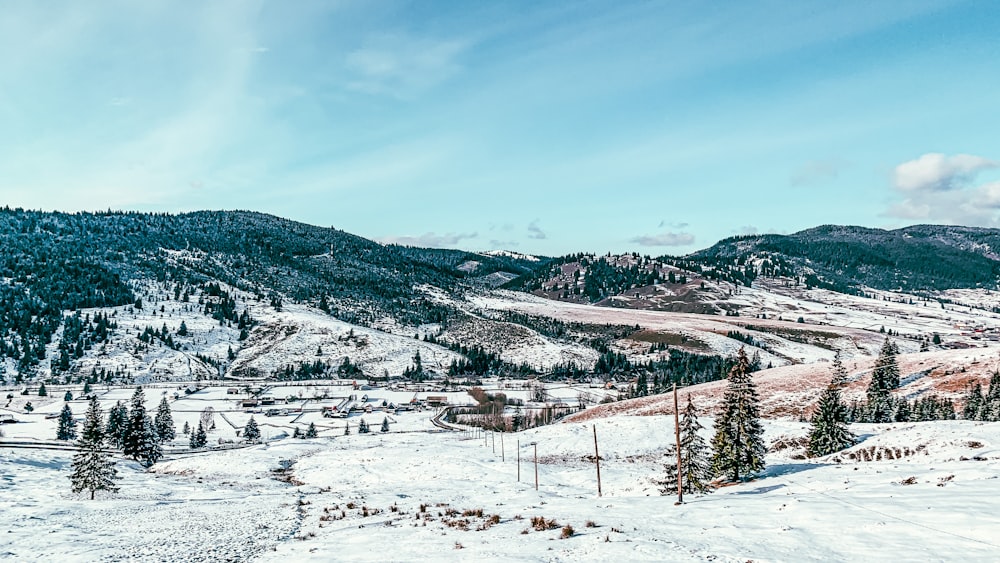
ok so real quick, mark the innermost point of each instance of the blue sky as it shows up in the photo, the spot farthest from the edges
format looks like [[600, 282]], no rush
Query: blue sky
[[543, 127]]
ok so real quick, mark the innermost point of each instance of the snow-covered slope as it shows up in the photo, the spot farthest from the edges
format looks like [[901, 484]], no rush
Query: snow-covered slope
[[355, 498]]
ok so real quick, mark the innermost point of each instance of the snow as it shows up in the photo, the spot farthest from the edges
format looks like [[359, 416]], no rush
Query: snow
[[229, 505]]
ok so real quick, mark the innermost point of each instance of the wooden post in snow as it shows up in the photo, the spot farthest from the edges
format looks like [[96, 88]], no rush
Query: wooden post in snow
[[519, 461], [503, 456], [677, 436], [536, 464], [597, 460]]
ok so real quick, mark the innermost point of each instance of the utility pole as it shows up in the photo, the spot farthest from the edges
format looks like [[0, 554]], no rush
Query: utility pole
[[519, 461], [677, 436], [597, 460], [493, 434], [503, 456]]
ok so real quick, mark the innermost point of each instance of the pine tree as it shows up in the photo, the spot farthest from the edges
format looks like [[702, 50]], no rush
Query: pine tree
[[164, 422], [696, 466], [149, 447], [885, 378], [135, 429], [41, 390], [311, 431], [187, 428], [974, 402], [93, 468], [991, 402], [68, 396], [362, 427], [117, 425], [829, 431], [297, 433], [738, 443], [839, 372], [251, 432], [67, 425], [347, 428], [198, 438], [385, 424]]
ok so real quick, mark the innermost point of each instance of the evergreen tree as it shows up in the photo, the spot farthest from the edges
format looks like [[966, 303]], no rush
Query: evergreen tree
[[183, 330], [135, 429], [67, 425], [187, 428], [251, 432], [117, 425], [41, 390], [198, 438], [86, 388], [347, 428], [991, 402], [974, 402], [829, 431], [149, 447], [738, 443], [68, 396], [311, 431], [385, 424], [362, 427], [885, 378], [164, 422], [93, 468], [696, 463], [297, 433], [839, 372]]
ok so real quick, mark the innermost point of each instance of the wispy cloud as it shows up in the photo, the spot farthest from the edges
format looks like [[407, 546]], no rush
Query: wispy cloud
[[503, 244], [535, 232], [817, 172], [429, 240], [403, 66], [667, 238]]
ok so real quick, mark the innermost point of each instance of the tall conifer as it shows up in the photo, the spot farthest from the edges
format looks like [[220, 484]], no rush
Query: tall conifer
[[93, 468], [738, 443]]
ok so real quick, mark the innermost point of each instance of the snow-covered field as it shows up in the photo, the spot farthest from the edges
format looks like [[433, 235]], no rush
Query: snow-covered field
[[934, 496]]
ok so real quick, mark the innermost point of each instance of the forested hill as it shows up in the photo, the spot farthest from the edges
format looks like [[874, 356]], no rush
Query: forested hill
[[53, 262], [921, 257]]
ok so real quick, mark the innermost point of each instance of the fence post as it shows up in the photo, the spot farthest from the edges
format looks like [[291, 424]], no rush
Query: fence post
[[597, 460]]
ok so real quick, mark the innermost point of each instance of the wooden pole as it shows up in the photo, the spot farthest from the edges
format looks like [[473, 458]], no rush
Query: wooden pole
[[536, 465], [493, 435], [677, 436], [597, 460], [519, 461], [503, 455]]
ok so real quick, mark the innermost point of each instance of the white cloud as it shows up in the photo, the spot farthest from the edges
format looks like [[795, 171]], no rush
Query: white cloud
[[938, 189], [939, 172], [428, 240], [667, 238]]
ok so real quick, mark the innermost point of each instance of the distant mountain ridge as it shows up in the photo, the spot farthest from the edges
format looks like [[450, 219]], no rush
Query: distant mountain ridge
[[919, 257]]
